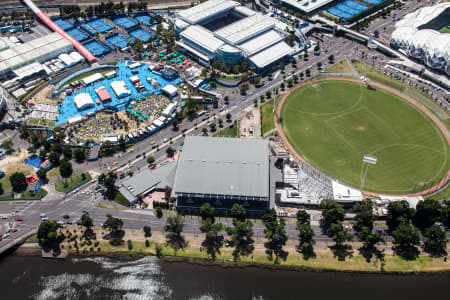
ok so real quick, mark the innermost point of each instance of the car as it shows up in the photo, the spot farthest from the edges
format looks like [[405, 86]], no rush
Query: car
[[6, 235], [14, 230], [66, 216], [44, 219], [4, 217], [1, 235], [62, 223], [42, 215], [19, 219], [69, 222]]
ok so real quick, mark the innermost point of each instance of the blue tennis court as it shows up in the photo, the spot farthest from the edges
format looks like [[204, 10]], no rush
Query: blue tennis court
[[34, 161], [68, 109], [144, 19], [355, 5], [96, 48], [77, 35], [99, 25], [347, 9], [142, 35], [87, 29], [63, 24], [125, 22], [373, 2], [118, 41]]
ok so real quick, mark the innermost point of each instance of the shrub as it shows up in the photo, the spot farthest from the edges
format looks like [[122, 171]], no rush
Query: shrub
[[147, 243], [158, 249], [130, 245]]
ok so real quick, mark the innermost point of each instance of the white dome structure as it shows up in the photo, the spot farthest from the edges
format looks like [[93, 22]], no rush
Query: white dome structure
[[428, 45]]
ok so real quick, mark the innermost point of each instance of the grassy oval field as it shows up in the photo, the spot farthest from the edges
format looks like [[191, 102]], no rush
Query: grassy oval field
[[332, 124]]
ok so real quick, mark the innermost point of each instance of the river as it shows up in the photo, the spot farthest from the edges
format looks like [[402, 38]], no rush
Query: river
[[150, 278]]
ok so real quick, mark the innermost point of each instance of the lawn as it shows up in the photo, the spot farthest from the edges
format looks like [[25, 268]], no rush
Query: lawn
[[121, 200], [230, 131], [378, 76], [445, 29], [340, 67], [15, 167], [72, 183], [442, 195], [30, 194], [47, 123], [332, 124], [267, 117]]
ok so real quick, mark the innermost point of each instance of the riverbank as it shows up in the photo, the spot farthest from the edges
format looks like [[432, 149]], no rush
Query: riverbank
[[325, 259]]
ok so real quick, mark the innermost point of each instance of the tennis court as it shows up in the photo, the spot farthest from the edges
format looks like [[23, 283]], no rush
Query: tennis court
[[373, 2], [96, 48], [142, 35], [68, 109], [63, 24], [99, 25], [347, 9], [77, 35], [118, 41], [125, 22], [34, 161], [144, 19]]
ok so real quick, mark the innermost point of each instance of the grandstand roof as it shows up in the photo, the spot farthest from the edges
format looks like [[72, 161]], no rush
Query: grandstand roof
[[223, 166], [271, 54], [206, 10], [193, 51], [261, 42], [245, 29], [307, 6], [202, 37]]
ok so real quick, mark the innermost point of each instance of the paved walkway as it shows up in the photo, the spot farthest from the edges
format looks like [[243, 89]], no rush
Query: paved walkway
[[426, 112]]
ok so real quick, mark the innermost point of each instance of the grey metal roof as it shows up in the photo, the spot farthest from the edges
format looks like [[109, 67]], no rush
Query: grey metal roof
[[146, 180], [224, 166]]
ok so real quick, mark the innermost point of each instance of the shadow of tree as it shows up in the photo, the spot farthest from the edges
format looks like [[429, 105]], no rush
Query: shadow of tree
[[115, 237], [306, 251], [407, 252], [342, 251], [176, 242]]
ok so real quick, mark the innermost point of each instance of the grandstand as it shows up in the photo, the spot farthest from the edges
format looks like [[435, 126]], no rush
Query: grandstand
[[417, 34]]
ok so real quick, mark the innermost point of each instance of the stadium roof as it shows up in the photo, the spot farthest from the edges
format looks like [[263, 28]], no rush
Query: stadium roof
[[307, 6], [206, 10], [261, 42], [271, 54], [245, 29], [243, 10], [40, 49], [193, 51], [202, 37], [223, 166]]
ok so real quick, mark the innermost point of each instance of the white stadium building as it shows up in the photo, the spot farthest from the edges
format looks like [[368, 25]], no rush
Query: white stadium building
[[416, 35], [226, 31]]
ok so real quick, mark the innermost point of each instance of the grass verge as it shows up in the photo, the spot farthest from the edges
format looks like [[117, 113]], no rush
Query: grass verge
[[267, 117], [121, 200], [67, 185], [230, 131], [340, 67]]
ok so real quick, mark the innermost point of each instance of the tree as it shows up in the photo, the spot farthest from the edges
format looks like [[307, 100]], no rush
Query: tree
[[42, 175], [319, 65], [406, 239], [170, 152], [167, 193], [427, 213], [158, 212], [275, 231], [228, 117], [174, 228], [80, 155], [435, 241], [53, 157], [108, 181], [364, 215], [7, 145], [147, 231], [241, 238], [67, 152], [47, 233], [377, 34], [205, 131], [65, 169], [303, 217], [332, 213], [18, 182], [339, 234], [238, 212], [207, 211], [446, 213], [370, 240], [398, 212], [114, 225], [150, 160], [86, 221]]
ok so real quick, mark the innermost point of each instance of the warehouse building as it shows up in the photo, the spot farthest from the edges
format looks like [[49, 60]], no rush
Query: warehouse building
[[224, 30], [38, 50], [222, 172]]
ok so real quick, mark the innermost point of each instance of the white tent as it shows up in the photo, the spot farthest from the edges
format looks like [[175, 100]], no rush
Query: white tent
[[83, 101], [170, 90], [93, 78], [120, 89]]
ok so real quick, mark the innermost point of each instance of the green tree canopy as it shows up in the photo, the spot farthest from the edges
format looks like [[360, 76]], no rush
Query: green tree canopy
[[435, 241], [364, 215], [427, 213], [332, 212], [398, 212], [275, 231], [18, 182]]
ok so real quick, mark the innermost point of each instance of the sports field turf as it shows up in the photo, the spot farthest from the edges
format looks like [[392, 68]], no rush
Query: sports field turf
[[332, 124]]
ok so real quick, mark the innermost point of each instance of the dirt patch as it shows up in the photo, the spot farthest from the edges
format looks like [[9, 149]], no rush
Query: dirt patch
[[250, 124]]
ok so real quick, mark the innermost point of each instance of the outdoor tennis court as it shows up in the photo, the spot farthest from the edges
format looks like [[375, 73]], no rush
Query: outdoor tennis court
[[373, 2], [118, 41], [63, 24], [77, 35], [142, 35], [125, 22], [96, 48], [100, 26], [347, 9], [144, 19]]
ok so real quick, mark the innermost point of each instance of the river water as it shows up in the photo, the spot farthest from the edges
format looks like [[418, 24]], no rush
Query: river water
[[150, 278]]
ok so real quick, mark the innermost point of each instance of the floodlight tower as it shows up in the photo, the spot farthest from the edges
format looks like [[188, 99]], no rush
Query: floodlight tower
[[369, 160]]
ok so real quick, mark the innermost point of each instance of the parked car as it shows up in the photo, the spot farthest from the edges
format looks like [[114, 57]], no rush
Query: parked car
[[19, 219], [15, 230], [66, 216]]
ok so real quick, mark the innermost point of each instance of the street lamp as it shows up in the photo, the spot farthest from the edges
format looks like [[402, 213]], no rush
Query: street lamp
[[369, 160]]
